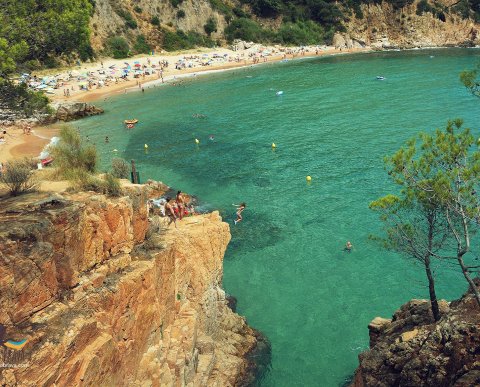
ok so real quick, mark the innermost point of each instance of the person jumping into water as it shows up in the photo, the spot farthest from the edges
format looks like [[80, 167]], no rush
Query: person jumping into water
[[240, 208]]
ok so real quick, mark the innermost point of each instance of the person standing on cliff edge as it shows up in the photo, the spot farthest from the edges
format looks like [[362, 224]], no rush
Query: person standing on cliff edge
[[170, 212], [180, 204]]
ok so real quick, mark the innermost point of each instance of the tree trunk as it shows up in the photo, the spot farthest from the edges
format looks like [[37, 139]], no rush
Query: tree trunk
[[431, 289], [468, 278]]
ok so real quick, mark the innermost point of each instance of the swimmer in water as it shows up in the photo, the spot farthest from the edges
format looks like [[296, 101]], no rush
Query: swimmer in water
[[211, 137], [240, 208], [106, 140], [348, 247]]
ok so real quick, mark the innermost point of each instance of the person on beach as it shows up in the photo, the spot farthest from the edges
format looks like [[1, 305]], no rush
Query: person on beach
[[348, 247], [170, 212], [240, 208], [180, 204]]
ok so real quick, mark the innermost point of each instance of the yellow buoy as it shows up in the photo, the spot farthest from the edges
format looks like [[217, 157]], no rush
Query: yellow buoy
[[273, 145], [197, 141], [145, 146], [309, 178]]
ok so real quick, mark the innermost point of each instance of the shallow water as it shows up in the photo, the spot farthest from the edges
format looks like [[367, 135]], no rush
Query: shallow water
[[335, 122]]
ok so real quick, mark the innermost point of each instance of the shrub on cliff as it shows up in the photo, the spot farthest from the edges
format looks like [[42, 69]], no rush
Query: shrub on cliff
[[118, 47], [18, 177], [111, 185], [120, 168], [71, 154], [84, 181]]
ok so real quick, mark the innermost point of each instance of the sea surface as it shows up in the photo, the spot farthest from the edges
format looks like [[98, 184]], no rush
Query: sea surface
[[334, 122]]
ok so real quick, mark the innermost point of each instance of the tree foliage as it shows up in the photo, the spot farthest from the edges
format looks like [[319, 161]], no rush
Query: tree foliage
[[210, 26], [44, 30], [439, 180], [118, 47]]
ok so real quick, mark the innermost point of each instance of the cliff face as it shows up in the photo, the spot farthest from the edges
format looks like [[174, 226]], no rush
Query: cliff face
[[105, 300], [106, 21], [385, 27], [413, 350], [382, 26]]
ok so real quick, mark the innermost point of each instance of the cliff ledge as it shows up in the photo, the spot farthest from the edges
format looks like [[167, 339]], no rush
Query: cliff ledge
[[105, 298]]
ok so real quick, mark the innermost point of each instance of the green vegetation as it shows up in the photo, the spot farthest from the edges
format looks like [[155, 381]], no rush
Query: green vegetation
[[245, 29], [436, 9], [118, 47], [176, 3], [438, 209], [18, 176], [210, 26], [19, 98], [120, 168], [470, 80], [73, 157], [141, 46], [137, 9], [180, 40], [300, 33], [45, 30], [127, 16], [35, 33], [77, 162], [111, 185], [220, 6], [180, 13], [155, 21]]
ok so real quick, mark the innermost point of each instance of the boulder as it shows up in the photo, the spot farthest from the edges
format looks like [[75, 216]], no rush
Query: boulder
[[68, 111]]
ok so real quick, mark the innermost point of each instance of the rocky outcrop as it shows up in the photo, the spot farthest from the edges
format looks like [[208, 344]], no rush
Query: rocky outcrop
[[384, 27], [101, 306], [412, 349], [69, 111]]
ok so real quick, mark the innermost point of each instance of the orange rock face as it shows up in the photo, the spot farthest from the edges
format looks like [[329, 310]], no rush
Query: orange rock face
[[100, 307]]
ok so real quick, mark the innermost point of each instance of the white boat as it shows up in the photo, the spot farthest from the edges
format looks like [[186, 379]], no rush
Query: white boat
[[380, 78]]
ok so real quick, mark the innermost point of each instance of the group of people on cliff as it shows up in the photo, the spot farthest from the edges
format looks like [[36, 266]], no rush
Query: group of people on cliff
[[172, 209]]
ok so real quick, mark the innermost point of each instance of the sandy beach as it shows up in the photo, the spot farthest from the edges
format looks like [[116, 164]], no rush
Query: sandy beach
[[20, 145], [236, 59]]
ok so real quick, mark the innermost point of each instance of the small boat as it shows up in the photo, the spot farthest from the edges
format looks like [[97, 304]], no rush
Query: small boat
[[130, 122], [279, 92], [380, 78]]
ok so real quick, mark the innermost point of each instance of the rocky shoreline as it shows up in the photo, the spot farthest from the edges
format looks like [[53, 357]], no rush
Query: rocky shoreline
[[104, 296], [61, 111], [411, 349]]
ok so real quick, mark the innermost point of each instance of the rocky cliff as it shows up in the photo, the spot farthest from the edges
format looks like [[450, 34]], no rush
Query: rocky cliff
[[105, 298], [413, 350], [107, 20], [379, 25], [383, 26]]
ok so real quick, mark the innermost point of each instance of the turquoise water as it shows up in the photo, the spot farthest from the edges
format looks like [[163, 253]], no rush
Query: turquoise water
[[335, 122]]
